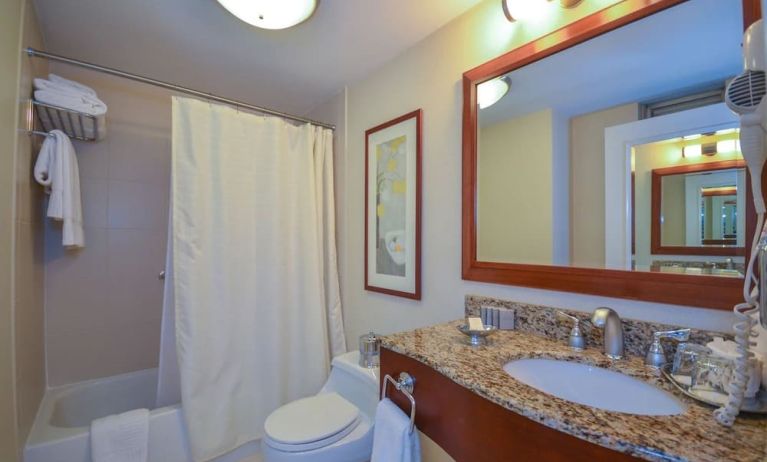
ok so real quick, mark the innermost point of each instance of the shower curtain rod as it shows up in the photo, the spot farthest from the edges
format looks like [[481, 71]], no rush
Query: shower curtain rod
[[169, 86]]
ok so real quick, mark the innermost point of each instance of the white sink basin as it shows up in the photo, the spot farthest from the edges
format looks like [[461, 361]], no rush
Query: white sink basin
[[594, 386]]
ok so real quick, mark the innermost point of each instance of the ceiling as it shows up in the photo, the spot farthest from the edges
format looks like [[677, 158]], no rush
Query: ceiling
[[690, 46], [197, 43]]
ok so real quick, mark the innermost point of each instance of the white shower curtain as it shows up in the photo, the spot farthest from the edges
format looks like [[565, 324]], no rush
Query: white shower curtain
[[257, 305]]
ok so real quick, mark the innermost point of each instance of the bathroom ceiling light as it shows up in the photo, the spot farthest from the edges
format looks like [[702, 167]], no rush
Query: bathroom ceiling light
[[524, 10], [271, 14], [490, 92]]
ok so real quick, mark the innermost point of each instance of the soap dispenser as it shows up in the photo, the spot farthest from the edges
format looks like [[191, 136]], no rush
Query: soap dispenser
[[370, 350]]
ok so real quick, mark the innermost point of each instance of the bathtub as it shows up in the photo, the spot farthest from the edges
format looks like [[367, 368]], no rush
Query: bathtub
[[61, 431]]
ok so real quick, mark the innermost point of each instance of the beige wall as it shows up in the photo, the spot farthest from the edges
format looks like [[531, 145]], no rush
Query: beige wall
[[10, 30], [428, 76], [104, 303], [515, 203], [22, 370], [673, 203], [29, 264], [587, 182]]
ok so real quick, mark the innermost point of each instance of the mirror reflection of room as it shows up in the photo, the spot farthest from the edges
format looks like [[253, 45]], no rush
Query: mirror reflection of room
[[691, 193], [565, 163]]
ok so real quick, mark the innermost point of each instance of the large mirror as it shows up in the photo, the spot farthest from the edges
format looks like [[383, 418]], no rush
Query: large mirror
[[617, 153]]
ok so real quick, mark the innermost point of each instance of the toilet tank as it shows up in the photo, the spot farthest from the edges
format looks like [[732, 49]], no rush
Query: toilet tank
[[359, 385]]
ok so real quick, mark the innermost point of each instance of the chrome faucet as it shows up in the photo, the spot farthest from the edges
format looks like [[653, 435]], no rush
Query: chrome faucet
[[609, 320]]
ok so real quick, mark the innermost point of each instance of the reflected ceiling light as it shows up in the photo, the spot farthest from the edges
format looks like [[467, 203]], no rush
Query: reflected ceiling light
[[693, 151], [524, 10], [271, 14], [490, 92]]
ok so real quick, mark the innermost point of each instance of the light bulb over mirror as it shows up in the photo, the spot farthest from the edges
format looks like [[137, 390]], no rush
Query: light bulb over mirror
[[524, 10]]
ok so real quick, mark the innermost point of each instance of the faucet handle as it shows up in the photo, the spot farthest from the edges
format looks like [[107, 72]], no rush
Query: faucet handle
[[576, 341], [656, 357], [680, 335]]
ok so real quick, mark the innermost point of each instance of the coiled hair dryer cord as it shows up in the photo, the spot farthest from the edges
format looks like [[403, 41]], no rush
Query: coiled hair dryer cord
[[744, 323]]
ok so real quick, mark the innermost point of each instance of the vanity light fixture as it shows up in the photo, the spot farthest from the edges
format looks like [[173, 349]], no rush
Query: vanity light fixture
[[728, 146], [271, 14], [490, 92], [692, 151], [523, 10]]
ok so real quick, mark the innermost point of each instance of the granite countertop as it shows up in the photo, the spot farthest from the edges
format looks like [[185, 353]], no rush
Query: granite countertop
[[691, 436]]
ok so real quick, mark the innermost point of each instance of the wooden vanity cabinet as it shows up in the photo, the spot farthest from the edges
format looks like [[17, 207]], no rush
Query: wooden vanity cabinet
[[473, 429]]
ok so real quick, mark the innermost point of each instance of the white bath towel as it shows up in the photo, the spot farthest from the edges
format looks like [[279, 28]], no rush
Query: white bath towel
[[71, 84], [56, 169], [121, 437], [48, 85], [77, 102], [392, 439]]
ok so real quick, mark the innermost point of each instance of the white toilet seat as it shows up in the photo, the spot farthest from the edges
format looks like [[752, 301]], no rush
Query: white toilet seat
[[314, 444], [311, 423], [354, 447]]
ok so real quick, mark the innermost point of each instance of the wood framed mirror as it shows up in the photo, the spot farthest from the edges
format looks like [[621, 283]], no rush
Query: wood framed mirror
[[569, 79]]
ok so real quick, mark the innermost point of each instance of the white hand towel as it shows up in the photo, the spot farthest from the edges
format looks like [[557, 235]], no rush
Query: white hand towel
[[56, 169], [392, 440], [121, 438]]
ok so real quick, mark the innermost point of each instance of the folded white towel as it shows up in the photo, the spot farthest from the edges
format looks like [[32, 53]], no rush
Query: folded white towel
[[77, 102], [121, 438], [47, 85], [71, 85], [392, 439], [56, 169]]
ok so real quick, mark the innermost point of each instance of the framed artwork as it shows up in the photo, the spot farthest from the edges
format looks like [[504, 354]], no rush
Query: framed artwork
[[393, 207]]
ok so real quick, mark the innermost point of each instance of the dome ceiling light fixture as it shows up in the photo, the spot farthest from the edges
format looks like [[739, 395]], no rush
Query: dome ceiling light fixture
[[525, 10], [491, 91], [271, 14]]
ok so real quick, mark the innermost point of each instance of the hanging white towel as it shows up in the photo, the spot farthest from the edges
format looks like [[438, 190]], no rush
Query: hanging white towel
[[392, 439], [121, 437], [56, 169]]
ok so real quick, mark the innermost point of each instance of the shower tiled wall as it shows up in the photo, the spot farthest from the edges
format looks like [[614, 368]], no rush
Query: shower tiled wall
[[104, 303]]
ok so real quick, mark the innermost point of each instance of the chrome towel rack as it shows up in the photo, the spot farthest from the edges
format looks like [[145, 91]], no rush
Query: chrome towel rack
[[69, 121], [405, 385]]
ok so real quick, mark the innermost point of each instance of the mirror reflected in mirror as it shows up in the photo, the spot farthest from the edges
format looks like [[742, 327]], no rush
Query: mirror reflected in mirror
[[570, 147]]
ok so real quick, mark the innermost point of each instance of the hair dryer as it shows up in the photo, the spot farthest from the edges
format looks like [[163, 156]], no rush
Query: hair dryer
[[745, 95]]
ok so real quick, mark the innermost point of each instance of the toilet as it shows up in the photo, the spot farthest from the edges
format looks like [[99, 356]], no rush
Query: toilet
[[336, 425]]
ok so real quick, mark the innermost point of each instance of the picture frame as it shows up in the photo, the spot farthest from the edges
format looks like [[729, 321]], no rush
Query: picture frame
[[393, 206]]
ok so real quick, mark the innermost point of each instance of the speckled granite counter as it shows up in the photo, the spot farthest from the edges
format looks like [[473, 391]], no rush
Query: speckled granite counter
[[691, 436]]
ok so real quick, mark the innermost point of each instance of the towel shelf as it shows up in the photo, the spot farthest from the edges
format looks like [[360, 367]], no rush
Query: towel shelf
[[52, 117], [405, 385]]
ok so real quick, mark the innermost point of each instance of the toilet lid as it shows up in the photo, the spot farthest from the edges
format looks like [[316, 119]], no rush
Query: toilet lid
[[311, 419]]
